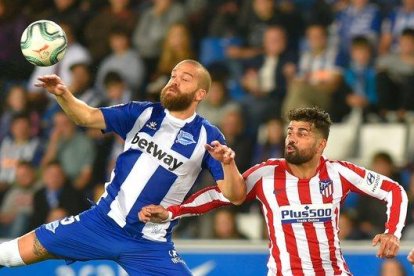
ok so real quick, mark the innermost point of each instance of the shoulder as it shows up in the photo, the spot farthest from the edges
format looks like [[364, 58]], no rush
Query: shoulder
[[346, 166], [211, 130], [141, 105], [265, 167]]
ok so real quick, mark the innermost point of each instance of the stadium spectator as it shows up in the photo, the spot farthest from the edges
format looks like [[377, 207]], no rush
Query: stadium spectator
[[225, 225], [400, 18], [217, 103], [64, 10], [19, 146], [267, 76], [57, 198], [17, 206], [318, 76], [116, 89], [73, 149], [303, 183], [360, 18], [13, 67], [360, 76], [225, 15], [81, 85], [123, 60], [271, 144], [17, 102], [233, 127], [152, 28], [395, 78], [349, 228], [98, 28], [176, 47], [255, 16]]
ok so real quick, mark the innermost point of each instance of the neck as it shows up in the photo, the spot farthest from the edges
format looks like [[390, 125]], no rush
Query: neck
[[306, 170], [182, 115]]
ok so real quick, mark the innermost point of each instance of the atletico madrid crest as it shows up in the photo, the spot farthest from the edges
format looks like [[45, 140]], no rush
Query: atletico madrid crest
[[326, 187]]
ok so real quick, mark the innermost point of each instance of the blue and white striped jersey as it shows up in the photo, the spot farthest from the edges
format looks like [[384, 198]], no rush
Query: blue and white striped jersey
[[162, 159]]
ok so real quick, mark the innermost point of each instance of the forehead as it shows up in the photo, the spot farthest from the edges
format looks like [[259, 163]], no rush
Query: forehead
[[300, 125], [185, 67]]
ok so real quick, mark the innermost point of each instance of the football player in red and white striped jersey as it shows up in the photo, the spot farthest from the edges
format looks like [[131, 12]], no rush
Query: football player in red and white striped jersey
[[301, 197]]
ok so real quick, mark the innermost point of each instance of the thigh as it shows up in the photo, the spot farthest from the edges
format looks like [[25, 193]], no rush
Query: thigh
[[155, 261], [77, 238]]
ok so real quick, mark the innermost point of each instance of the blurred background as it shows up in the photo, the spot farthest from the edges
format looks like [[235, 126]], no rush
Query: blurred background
[[354, 58]]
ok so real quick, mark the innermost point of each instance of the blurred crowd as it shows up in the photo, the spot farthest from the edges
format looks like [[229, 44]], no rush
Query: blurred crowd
[[265, 57]]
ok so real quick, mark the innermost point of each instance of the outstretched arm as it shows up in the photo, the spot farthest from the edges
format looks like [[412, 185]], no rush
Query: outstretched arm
[[78, 111], [233, 186], [199, 203]]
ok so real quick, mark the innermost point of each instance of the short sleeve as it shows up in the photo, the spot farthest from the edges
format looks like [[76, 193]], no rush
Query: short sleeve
[[121, 118]]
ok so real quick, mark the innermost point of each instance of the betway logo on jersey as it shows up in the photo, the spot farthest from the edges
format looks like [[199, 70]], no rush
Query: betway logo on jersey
[[171, 162], [306, 213]]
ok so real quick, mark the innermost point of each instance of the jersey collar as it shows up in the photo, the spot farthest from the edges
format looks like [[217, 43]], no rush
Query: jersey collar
[[179, 121]]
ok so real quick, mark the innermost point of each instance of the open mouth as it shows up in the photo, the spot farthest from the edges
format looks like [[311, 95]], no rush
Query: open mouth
[[290, 149]]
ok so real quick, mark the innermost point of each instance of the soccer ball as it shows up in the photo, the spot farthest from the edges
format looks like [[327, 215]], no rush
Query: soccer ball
[[43, 43]]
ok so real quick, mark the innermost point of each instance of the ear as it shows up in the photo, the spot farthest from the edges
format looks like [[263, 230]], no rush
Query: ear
[[200, 95], [322, 144]]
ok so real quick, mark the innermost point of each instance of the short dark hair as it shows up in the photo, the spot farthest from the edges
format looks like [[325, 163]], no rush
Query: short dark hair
[[112, 77], [319, 26], [408, 32], [20, 115], [384, 156], [319, 118], [361, 41]]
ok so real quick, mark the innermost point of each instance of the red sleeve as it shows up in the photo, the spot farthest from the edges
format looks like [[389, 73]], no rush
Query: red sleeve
[[363, 181], [211, 197], [199, 203]]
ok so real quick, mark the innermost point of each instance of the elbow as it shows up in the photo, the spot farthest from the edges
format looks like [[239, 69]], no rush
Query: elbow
[[239, 198], [238, 201]]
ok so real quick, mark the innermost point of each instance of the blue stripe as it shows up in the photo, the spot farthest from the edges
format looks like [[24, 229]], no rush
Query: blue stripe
[[153, 193], [168, 236], [153, 124], [123, 167]]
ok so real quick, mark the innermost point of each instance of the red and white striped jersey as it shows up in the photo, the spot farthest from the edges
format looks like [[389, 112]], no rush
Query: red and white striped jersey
[[302, 214]]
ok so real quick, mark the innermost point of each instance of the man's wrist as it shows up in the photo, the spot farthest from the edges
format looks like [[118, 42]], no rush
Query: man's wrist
[[169, 218]]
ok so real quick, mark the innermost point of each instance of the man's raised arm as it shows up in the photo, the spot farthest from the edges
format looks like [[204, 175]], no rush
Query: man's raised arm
[[78, 111], [232, 186]]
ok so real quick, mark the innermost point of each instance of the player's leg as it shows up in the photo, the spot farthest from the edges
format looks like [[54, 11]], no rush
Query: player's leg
[[21, 251], [152, 258]]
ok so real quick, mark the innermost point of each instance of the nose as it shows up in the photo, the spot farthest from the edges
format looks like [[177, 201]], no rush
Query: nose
[[174, 82], [291, 140]]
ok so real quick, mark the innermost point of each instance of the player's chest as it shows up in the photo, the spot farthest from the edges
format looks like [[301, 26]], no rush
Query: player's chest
[[292, 191], [301, 201], [176, 150]]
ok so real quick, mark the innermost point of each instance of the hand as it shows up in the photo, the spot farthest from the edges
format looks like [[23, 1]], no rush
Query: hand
[[53, 84], [153, 213], [410, 256], [220, 152], [389, 245]]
